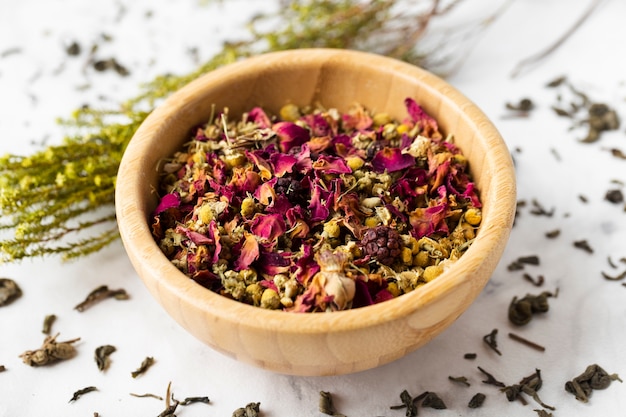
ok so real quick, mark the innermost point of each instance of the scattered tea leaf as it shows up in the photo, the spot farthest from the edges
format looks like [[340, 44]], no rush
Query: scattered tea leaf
[[145, 365], [529, 385], [540, 210], [618, 153], [101, 356], [2, 368], [148, 395], [521, 311], [408, 402], [594, 377], [557, 82], [584, 245], [614, 278], [527, 342], [477, 400], [9, 291], [491, 380], [111, 64], [326, 405], [250, 410], [614, 196], [460, 379], [101, 293], [82, 392], [73, 49], [432, 400], [170, 403], [470, 356], [48, 321], [491, 341], [524, 105], [49, 352], [193, 400], [538, 282], [583, 198], [543, 413], [553, 233]]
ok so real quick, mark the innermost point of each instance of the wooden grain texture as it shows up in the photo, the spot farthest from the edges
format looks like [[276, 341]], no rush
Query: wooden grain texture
[[321, 343]]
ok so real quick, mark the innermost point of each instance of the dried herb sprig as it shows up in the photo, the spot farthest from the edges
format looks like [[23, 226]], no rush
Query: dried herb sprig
[[60, 200]]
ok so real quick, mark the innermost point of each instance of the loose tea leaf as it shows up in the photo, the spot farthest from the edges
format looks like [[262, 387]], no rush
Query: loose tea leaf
[[584, 245], [148, 395], [9, 291], [491, 341], [145, 365], [521, 311], [432, 400], [460, 379], [618, 153], [526, 342], [470, 356], [614, 278], [101, 293], [491, 380], [553, 233], [614, 196], [50, 351], [81, 392], [408, 403], [538, 282], [477, 400], [542, 413], [2, 368], [529, 385], [170, 403], [326, 405], [193, 400], [250, 410], [48, 321], [594, 377], [101, 356]]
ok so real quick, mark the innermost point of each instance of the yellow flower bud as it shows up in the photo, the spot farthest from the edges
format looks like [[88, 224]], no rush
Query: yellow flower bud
[[206, 214], [473, 216], [392, 287], [290, 113], [432, 272], [407, 257], [248, 207], [354, 162], [381, 119], [402, 128], [270, 299]]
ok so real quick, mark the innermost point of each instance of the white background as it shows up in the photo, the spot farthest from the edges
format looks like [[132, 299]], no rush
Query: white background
[[585, 324]]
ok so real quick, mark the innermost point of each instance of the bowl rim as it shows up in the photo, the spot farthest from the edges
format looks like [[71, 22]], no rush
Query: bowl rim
[[154, 265]]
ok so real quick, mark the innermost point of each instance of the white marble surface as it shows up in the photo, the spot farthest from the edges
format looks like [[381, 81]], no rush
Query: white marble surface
[[585, 324]]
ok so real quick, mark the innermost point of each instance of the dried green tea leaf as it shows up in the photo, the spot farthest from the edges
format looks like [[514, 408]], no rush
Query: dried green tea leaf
[[82, 392], [529, 386], [2, 368], [48, 321], [145, 365], [432, 400], [101, 293], [250, 410], [522, 310], [618, 153], [477, 400], [408, 402], [326, 405], [460, 379], [9, 291], [101, 356], [614, 278], [562, 112], [193, 400], [538, 282], [542, 413], [557, 82], [614, 196], [170, 403], [470, 356], [50, 351], [491, 341], [594, 377], [553, 233], [148, 395], [584, 245], [491, 380]]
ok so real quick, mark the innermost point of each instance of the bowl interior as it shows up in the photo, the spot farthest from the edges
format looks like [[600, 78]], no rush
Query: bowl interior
[[338, 79]]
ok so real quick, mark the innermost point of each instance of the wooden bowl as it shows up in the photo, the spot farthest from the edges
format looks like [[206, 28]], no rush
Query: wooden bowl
[[316, 343]]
